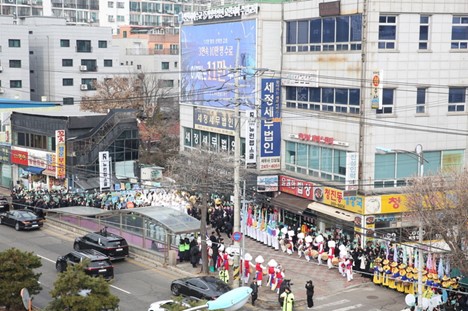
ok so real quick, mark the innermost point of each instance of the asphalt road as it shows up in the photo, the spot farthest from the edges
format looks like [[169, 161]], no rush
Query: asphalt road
[[136, 284]]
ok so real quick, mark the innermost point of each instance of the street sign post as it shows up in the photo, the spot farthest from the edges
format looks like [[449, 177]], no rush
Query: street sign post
[[237, 236]]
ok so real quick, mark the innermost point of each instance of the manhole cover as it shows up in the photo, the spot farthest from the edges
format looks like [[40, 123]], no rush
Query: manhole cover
[[372, 297]]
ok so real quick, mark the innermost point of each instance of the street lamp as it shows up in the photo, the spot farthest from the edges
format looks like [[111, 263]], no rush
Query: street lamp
[[420, 156], [230, 301]]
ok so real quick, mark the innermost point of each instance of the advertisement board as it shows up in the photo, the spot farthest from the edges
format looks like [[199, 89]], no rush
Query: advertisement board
[[267, 183], [352, 170], [270, 127], [216, 121], [297, 187], [251, 138], [208, 55], [60, 154], [336, 198], [104, 170]]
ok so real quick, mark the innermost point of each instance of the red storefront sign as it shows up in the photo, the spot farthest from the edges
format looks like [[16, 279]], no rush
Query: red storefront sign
[[297, 187], [19, 157]]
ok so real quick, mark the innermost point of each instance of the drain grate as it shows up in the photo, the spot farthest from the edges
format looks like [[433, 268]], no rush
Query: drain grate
[[372, 297]]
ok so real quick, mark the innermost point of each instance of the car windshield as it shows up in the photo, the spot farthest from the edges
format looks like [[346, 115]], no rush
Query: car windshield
[[26, 215]]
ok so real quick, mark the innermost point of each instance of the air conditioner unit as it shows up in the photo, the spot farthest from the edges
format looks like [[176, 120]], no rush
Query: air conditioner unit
[[2, 90], [84, 87], [83, 68]]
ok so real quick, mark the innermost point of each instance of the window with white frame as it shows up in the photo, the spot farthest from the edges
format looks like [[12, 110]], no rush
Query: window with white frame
[[388, 98], [424, 32], [421, 100], [456, 99], [459, 32], [110, 4], [387, 32]]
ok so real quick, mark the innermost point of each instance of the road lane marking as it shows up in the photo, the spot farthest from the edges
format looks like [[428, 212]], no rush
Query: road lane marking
[[335, 303], [349, 308], [122, 290], [45, 258], [113, 286]]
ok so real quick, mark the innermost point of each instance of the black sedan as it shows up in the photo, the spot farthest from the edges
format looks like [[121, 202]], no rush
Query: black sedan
[[204, 287], [21, 220]]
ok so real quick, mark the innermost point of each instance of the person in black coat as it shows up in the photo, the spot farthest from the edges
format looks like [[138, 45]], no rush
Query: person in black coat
[[254, 287], [310, 294], [194, 253]]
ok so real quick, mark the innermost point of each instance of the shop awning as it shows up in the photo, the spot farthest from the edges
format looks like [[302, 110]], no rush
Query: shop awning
[[331, 211], [33, 169], [290, 203]]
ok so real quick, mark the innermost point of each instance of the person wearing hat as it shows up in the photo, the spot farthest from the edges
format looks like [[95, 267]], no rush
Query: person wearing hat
[[288, 301], [378, 271], [254, 294], [400, 287], [386, 273], [394, 273], [310, 294]]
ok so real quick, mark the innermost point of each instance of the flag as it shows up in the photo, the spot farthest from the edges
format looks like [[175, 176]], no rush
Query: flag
[[440, 271]]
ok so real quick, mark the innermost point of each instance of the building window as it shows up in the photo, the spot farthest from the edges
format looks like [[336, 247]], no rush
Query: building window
[[67, 62], [318, 161], [174, 49], [83, 46], [108, 63], [176, 64], [102, 44], [64, 43], [158, 47], [340, 100], [387, 32], [67, 82], [68, 100], [110, 4], [459, 32], [91, 83], [14, 43], [139, 67], [91, 64], [340, 33], [120, 5], [424, 32], [387, 102], [456, 99], [165, 65], [110, 18], [16, 84], [421, 100], [15, 63], [120, 18], [166, 83]]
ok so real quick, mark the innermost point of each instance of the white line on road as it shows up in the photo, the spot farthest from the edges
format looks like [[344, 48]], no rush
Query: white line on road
[[45, 258], [349, 308], [335, 303], [122, 290], [113, 286]]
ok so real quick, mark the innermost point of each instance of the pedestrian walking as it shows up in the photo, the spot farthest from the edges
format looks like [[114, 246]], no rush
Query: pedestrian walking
[[224, 275], [254, 294], [288, 302], [310, 294]]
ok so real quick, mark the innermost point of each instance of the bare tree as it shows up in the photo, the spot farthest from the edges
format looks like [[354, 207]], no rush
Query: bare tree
[[204, 172], [441, 203], [159, 111]]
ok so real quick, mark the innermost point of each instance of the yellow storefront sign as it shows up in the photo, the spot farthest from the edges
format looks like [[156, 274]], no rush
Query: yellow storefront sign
[[336, 198]]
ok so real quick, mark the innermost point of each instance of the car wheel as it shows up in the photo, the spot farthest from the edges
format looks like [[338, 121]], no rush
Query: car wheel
[[17, 226], [175, 290], [59, 267], [76, 247], [0, 220]]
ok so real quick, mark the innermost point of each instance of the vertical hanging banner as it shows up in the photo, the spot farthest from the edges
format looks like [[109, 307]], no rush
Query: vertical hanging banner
[[60, 154], [104, 170], [376, 89], [251, 139], [270, 149], [352, 170]]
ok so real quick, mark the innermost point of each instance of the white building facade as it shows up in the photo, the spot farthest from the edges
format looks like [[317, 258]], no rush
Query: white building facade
[[14, 60], [332, 86]]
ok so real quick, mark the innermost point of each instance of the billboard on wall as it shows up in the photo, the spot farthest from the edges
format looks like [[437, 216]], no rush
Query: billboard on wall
[[208, 55], [270, 126], [60, 154]]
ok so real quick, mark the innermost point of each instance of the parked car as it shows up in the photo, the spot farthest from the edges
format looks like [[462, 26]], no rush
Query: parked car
[[21, 220], [98, 263], [203, 287], [4, 205], [108, 243], [166, 305]]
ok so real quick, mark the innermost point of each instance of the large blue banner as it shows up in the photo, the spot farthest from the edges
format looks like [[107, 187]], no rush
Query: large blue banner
[[209, 54], [270, 129]]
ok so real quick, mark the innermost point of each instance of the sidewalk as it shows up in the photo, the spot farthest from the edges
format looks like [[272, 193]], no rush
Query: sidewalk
[[298, 270]]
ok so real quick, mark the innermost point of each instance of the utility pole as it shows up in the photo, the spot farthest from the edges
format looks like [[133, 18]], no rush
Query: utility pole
[[419, 152], [237, 146]]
